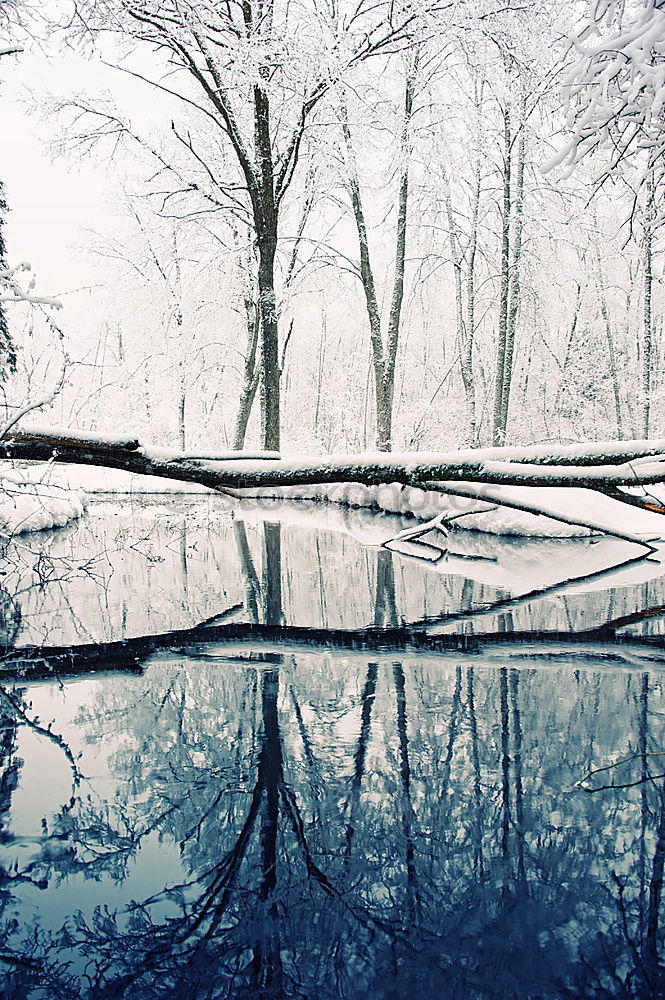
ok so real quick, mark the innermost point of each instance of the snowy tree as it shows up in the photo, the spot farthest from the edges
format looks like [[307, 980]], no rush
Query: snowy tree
[[255, 73]]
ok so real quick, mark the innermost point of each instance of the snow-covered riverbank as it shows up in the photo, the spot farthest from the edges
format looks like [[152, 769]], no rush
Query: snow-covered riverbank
[[26, 504], [486, 513]]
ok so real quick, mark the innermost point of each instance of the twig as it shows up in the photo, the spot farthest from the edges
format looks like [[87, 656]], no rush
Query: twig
[[583, 782]]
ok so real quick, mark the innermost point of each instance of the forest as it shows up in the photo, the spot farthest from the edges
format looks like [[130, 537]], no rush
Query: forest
[[332, 483], [436, 226]]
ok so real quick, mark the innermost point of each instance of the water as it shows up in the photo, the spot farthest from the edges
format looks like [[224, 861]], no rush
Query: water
[[264, 819]]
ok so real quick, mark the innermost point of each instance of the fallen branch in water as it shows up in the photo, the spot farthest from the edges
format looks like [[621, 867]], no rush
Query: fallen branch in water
[[604, 467], [226, 641]]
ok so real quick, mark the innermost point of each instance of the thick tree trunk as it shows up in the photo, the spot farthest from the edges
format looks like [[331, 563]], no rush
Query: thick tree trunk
[[266, 219], [599, 466], [244, 410], [384, 388], [269, 332]]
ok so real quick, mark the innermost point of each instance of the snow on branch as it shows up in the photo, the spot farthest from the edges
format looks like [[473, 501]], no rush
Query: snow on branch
[[11, 290], [479, 475], [615, 85]]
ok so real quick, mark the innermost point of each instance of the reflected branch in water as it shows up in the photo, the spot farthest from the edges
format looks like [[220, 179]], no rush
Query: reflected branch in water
[[20, 712], [583, 783], [522, 600], [34, 662]]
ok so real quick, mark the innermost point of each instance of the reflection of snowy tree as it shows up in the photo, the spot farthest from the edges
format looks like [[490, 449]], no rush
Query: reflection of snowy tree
[[480, 888]]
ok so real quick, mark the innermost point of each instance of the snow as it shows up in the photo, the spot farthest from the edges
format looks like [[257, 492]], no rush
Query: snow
[[28, 505], [96, 479], [82, 437], [481, 514], [477, 512]]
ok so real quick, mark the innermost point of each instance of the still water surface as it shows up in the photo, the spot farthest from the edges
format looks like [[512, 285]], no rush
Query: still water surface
[[275, 821]]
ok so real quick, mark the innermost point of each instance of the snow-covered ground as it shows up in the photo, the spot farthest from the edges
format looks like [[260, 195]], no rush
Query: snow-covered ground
[[481, 513], [29, 505]]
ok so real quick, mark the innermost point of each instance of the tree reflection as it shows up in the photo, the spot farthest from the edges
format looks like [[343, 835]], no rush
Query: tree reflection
[[354, 827]]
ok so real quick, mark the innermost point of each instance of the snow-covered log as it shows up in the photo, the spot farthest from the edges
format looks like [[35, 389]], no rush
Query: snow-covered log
[[611, 464]]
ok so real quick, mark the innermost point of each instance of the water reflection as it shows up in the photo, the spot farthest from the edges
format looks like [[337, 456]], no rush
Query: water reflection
[[138, 569], [331, 824], [345, 828]]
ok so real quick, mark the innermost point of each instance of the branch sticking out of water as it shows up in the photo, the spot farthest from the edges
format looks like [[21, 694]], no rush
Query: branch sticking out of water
[[583, 783]]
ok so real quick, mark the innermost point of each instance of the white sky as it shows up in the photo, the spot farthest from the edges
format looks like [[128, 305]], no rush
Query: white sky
[[54, 199]]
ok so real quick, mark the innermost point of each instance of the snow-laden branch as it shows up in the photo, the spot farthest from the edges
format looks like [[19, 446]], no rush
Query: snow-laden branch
[[11, 290], [610, 463], [36, 404], [615, 84]]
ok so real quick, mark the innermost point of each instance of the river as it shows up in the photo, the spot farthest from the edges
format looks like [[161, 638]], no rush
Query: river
[[274, 818]]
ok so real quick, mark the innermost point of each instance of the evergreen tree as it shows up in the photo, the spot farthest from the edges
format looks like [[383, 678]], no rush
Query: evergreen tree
[[7, 345]]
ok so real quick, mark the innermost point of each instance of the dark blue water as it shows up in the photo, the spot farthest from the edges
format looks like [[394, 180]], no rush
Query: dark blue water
[[270, 821]]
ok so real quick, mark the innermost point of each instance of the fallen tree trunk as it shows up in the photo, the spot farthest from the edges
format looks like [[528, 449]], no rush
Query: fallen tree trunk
[[605, 465]]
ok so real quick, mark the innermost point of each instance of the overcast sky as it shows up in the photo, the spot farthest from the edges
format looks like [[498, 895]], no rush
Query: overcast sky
[[54, 199]]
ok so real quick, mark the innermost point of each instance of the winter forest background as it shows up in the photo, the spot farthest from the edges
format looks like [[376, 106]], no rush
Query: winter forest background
[[462, 200]]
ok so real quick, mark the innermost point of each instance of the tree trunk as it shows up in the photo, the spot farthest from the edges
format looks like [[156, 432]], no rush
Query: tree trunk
[[250, 377], [367, 278], [464, 335], [604, 312], [319, 372], [269, 333], [514, 273], [182, 433], [265, 211], [7, 345], [470, 330], [497, 428], [244, 411], [647, 342], [384, 358]]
